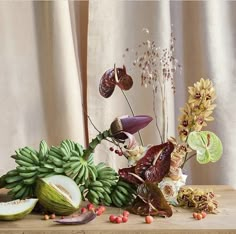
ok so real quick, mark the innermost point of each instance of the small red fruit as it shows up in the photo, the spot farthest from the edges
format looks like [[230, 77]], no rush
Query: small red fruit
[[124, 219], [83, 210], [111, 149], [102, 208], [125, 213], [99, 212], [204, 214], [199, 216], [118, 220], [46, 217], [149, 219], [195, 215], [117, 151], [112, 218], [52, 216], [90, 206]]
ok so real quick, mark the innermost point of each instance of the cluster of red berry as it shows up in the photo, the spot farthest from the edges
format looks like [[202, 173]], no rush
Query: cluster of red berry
[[118, 152], [199, 216], [99, 210], [122, 218]]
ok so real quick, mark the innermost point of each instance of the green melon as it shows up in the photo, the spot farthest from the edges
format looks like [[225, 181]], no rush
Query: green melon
[[58, 194], [17, 209]]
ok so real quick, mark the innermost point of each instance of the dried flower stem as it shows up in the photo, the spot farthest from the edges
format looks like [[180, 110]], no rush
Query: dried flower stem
[[155, 115]]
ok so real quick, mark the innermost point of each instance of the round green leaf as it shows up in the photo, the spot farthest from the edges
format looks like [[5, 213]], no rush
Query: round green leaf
[[208, 146]]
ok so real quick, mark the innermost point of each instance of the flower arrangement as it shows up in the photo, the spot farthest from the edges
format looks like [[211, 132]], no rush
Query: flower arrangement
[[153, 178], [157, 67]]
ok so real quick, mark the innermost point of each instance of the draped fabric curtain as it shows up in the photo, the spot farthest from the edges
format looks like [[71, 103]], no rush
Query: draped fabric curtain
[[53, 55]]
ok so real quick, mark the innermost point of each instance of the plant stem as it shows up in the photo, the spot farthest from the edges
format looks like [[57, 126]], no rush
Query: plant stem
[[187, 158], [131, 109], [96, 141]]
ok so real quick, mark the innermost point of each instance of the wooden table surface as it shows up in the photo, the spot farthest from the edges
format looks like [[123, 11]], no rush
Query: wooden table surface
[[181, 222]]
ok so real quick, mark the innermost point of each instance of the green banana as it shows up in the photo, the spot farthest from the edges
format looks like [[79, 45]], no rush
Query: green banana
[[96, 184], [28, 174], [13, 179]]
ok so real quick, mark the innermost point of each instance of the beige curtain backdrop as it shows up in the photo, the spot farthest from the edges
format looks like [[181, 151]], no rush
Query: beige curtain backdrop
[[53, 55]]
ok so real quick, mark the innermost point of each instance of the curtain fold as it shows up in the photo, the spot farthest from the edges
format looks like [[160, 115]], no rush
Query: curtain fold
[[41, 93]]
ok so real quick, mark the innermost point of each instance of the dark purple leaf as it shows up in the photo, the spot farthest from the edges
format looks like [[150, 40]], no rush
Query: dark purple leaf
[[127, 175], [81, 219], [156, 162], [150, 201]]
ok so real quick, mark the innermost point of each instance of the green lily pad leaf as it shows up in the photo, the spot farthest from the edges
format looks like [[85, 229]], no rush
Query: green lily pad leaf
[[208, 146]]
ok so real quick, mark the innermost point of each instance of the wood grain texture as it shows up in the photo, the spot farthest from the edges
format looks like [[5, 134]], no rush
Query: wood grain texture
[[180, 223]]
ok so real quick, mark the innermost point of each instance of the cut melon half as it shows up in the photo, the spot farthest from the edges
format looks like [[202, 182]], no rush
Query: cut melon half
[[16, 209], [59, 194]]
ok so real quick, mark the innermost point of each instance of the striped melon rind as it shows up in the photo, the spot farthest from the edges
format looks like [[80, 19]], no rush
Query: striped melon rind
[[16, 209]]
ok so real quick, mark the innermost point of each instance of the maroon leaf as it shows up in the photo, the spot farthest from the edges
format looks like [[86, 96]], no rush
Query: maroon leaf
[[128, 174], [108, 81], [156, 162], [150, 201]]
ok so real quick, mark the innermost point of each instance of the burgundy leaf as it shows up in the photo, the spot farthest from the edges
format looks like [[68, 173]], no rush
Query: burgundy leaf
[[156, 162], [150, 201], [81, 219], [124, 173]]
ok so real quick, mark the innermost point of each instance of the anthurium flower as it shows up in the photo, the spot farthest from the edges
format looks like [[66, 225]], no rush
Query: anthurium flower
[[128, 124], [113, 77]]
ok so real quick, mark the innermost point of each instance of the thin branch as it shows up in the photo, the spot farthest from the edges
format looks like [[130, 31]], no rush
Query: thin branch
[[187, 158], [90, 120]]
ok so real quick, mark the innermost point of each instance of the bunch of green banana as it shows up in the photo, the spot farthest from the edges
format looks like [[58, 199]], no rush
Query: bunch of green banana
[[99, 190], [21, 180], [123, 194]]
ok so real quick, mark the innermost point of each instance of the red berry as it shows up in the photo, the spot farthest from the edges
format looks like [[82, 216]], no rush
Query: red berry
[[117, 151], [124, 219], [195, 215], [120, 153], [111, 149], [102, 208], [90, 206], [46, 217], [204, 214], [125, 213], [149, 219], [112, 218], [199, 216], [118, 219], [99, 212], [52, 216], [83, 210]]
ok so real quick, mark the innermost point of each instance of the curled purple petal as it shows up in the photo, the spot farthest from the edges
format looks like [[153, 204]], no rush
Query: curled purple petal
[[130, 124], [81, 219], [135, 123]]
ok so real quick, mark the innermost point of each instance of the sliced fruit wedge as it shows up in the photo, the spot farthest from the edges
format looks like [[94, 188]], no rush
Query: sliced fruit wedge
[[17, 209]]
